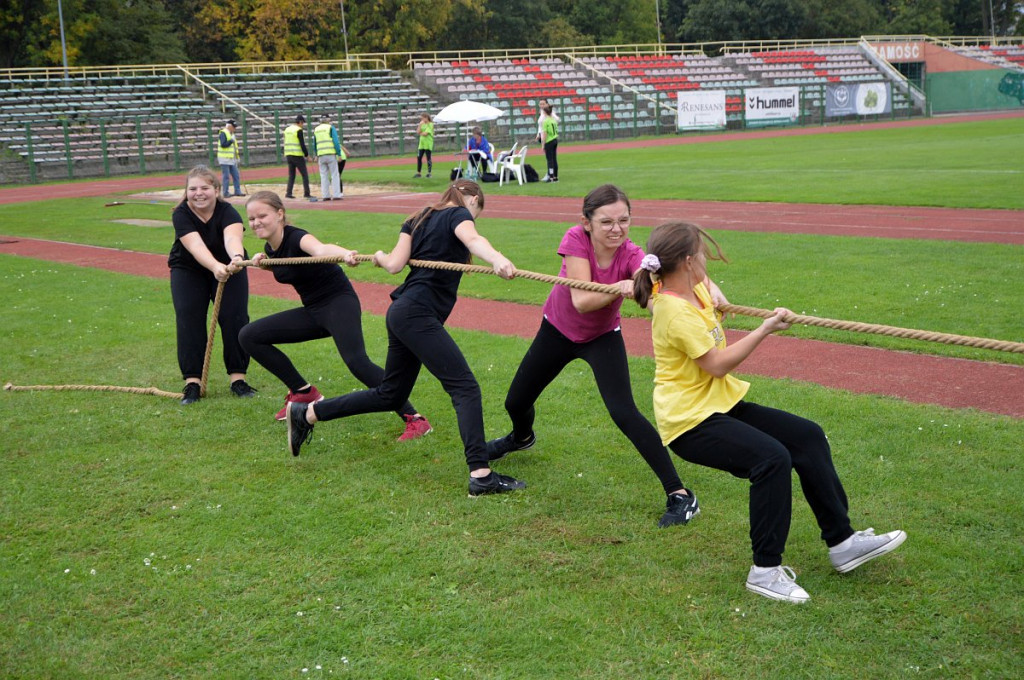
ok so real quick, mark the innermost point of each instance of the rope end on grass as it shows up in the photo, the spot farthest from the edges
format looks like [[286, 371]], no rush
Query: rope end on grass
[[8, 387]]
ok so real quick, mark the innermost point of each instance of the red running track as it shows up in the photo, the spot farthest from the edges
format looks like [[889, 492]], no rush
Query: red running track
[[954, 383]]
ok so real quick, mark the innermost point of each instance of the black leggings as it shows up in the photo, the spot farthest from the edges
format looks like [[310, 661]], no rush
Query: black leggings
[[192, 292], [419, 160], [341, 169], [299, 163], [550, 353], [551, 155], [765, 445], [417, 337], [338, 318]]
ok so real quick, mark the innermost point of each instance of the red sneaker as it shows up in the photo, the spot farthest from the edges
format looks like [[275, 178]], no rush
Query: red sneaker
[[415, 427], [313, 395]]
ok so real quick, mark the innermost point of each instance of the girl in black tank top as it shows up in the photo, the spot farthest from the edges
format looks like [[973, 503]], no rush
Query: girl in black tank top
[[330, 309]]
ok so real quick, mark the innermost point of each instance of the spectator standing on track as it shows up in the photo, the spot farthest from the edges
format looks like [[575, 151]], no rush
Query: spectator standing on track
[[443, 232], [228, 158], [702, 415], [296, 153], [331, 156], [208, 239], [541, 105], [579, 324], [425, 135], [549, 139], [330, 309]]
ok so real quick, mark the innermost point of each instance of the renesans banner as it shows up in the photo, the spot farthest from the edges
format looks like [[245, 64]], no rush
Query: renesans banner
[[700, 110], [861, 99], [772, 105]]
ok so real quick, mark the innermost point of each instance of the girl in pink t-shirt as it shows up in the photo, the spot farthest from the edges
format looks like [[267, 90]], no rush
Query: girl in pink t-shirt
[[584, 325]]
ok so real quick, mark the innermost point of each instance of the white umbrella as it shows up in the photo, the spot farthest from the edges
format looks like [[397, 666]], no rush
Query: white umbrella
[[466, 111]]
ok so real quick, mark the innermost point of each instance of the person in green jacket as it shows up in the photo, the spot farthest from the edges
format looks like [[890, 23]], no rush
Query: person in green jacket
[[425, 132], [549, 138]]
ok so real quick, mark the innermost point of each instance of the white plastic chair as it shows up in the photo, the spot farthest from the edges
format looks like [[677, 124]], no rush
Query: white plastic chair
[[514, 164]]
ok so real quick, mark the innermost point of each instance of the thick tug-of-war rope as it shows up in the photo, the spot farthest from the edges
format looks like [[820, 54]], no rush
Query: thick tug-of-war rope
[[855, 326], [209, 340], [92, 388]]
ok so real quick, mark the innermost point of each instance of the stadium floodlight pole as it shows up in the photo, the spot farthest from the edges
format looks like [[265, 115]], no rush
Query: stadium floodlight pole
[[344, 31], [63, 45], [657, 16]]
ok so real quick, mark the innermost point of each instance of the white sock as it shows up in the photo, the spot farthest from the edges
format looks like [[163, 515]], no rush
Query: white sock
[[763, 570]]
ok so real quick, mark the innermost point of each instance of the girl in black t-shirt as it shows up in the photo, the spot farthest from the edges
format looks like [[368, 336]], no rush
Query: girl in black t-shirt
[[330, 309], [444, 232], [208, 238]]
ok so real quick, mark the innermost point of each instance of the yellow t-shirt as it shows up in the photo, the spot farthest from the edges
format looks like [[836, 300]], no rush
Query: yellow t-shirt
[[684, 394]]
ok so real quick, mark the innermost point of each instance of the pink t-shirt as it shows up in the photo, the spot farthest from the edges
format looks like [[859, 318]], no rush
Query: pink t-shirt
[[559, 309]]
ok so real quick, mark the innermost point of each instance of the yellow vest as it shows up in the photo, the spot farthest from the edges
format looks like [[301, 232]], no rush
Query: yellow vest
[[324, 143], [230, 152], [291, 141]]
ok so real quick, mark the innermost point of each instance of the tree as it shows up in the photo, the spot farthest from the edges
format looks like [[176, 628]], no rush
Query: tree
[[718, 20], [841, 19], [914, 17], [397, 25]]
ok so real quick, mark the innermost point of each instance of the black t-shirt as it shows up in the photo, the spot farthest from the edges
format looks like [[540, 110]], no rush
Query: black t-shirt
[[185, 222], [435, 240], [313, 282]]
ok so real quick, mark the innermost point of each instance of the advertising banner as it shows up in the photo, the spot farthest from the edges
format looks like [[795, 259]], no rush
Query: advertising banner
[[857, 99], [772, 106], [700, 110]]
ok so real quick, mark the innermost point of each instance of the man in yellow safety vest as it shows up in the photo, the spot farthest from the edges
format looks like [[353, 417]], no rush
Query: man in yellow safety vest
[[228, 158], [295, 153], [331, 155]]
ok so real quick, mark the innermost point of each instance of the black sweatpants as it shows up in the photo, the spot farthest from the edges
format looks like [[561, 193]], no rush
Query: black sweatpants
[[339, 317], [765, 445], [417, 337], [299, 163], [551, 352], [341, 169], [419, 160], [193, 292], [551, 156]]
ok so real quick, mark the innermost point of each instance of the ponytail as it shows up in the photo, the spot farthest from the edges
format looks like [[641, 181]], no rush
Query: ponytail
[[455, 195], [668, 246]]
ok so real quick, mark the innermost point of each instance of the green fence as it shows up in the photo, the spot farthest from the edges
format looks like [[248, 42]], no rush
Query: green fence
[[69, 149]]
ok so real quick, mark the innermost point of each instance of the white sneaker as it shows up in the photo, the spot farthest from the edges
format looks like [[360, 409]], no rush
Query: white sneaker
[[863, 547], [777, 584]]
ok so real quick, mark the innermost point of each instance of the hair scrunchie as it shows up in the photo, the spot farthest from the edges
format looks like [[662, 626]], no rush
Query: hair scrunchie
[[650, 263]]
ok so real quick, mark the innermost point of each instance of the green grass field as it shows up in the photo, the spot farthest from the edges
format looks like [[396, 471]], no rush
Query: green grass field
[[141, 539]]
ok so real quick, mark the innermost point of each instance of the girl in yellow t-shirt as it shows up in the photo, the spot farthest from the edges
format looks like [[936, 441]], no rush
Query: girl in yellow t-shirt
[[702, 415]]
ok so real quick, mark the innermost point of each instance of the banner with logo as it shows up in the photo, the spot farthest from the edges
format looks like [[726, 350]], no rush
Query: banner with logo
[[858, 99], [700, 109], [772, 106]]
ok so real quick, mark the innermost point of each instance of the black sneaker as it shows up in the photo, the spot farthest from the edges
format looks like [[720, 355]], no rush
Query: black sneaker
[[240, 388], [679, 509], [493, 483], [299, 429], [289, 196], [190, 394], [501, 447]]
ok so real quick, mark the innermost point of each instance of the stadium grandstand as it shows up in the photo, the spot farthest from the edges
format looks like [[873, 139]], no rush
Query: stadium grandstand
[[116, 120]]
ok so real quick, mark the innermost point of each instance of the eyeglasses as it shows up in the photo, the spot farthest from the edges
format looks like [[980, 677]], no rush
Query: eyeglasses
[[608, 225]]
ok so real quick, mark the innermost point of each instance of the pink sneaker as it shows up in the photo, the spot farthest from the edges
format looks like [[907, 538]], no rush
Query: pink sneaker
[[313, 395], [415, 427]]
